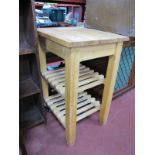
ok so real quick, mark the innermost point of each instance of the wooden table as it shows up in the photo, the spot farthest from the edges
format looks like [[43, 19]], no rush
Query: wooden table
[[75, 45]]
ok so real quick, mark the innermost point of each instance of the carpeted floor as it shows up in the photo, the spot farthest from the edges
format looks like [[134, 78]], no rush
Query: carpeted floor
[[115, 138]]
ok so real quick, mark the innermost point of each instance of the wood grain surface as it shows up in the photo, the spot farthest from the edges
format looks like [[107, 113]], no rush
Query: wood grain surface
[[78, 37]]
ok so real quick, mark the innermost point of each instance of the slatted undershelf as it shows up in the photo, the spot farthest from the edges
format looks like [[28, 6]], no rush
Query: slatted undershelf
[[87, 79], [86, 106]]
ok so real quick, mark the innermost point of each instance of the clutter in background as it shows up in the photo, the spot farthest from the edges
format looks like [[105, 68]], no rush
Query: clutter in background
[[52, 16]]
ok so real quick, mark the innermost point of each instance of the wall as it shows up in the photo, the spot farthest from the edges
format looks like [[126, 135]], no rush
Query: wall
[[111, 15]]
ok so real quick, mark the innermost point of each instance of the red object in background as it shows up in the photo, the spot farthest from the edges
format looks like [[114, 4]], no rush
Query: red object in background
[[53, 60], [73, 9], [72, 1], [64, 1]]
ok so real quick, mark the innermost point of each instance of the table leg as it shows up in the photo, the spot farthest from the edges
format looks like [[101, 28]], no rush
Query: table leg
[[110, 83], [72, 74], [42, 58]]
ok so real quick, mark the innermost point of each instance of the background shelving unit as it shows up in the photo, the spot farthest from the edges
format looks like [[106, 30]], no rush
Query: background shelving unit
[[28, 88], [31, 109]]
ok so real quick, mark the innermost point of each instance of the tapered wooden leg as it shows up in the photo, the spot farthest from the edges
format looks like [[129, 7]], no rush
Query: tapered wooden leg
[[72, 73], [110, 83], [43, 68]]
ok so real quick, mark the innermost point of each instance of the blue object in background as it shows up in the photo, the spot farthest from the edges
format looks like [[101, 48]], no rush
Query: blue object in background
[[55, 14], [125, 67]]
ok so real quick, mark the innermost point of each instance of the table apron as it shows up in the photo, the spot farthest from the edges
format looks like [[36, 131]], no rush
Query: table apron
[[93, 52], [83, 53], [57, 49]]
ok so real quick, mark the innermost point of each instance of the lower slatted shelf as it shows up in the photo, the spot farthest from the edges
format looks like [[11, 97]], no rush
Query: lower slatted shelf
[[87, 79], [86, 106]]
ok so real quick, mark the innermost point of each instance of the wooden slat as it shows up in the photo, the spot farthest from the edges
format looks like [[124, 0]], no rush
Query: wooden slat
[[87, 113], [52, 97], [54, 76], [91, 79], [55, 100], [79, 101], [61, 100], [57, 104], [87, 79], [91, 85], [61, 88], [87, 110], [86, 105], [59, 70], [82, 80], [57, 75], [87, 76]]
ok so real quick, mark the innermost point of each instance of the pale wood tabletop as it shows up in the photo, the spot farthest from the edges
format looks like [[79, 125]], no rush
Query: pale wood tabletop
[[79, 36]]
